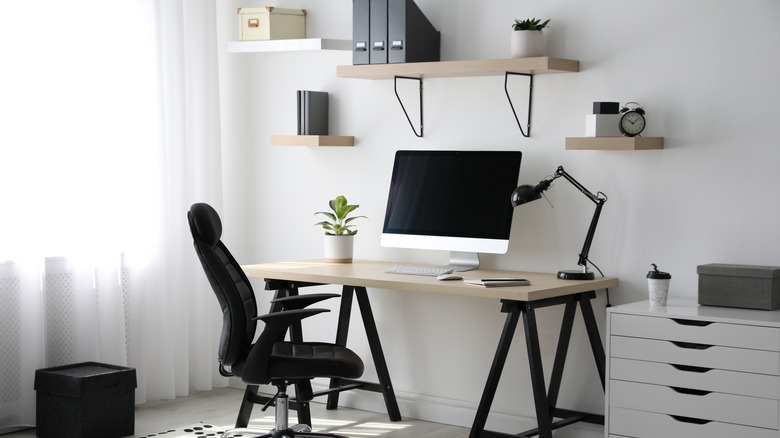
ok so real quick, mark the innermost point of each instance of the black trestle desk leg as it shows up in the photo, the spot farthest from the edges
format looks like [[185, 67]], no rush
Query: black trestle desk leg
[[545, 399], [593, 334], [246, 406], [510, 325], [377, 354], [560, 353], [374, 343], [543, 417], [342, 330]]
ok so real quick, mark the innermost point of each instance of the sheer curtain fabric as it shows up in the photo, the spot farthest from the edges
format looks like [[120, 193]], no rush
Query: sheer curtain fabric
[[109, 131]]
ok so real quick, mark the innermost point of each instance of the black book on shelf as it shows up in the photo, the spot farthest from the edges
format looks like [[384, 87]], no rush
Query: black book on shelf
[[312, 112]]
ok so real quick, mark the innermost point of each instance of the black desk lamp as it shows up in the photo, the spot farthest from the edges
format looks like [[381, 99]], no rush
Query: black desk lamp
[[527, 193]]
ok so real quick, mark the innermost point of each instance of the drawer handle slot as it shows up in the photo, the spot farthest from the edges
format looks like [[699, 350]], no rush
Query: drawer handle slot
[[691, 369], [691, 345], [691, 322], [689, 391], [692, 420]]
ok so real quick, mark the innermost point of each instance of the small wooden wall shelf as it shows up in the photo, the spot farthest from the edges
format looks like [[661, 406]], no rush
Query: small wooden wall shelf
[[291, 45], [614, 143], [312, 140], [443, 69]]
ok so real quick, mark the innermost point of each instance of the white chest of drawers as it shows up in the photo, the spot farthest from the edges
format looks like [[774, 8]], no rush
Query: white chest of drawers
[[691, 371]]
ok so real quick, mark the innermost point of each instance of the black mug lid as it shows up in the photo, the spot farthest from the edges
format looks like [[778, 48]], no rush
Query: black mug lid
[[658, 275]]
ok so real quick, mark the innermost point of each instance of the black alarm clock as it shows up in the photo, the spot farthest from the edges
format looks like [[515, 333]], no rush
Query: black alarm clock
[[633, 122]]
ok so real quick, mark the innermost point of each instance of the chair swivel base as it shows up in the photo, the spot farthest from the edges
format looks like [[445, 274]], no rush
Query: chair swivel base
[[297, 431], [280, 430]]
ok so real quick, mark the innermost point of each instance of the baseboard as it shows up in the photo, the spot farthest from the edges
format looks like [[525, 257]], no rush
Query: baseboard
[[11, 429]]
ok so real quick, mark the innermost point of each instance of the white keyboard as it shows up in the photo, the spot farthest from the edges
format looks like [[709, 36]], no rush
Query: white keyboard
[[428, 271]]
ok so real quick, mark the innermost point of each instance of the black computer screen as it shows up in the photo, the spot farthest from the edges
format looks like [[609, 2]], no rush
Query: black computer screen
[[452, 193]]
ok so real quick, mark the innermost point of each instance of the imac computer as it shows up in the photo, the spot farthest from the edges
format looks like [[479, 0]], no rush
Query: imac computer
[[457, 201]]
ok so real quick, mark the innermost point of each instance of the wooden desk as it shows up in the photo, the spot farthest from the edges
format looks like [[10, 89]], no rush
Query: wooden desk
[[545, 290]]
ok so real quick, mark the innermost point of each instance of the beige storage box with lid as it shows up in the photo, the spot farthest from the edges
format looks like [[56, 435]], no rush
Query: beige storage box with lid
[[268, 23]]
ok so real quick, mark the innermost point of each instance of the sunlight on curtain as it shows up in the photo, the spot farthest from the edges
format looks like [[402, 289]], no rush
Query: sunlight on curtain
[[109, 130], [76, 110]]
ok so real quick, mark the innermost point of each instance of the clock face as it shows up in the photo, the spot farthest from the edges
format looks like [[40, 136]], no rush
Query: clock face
[[632, 123]]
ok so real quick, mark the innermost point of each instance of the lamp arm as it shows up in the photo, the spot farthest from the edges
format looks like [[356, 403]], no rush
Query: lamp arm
[[589, 237], [599, 199], [595, 198]]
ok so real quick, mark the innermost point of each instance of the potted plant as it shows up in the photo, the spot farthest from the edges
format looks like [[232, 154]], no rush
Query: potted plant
[[339, 231], [527, 37]]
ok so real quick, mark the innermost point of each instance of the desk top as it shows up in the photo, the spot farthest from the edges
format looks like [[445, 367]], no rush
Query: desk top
[[367, 273]]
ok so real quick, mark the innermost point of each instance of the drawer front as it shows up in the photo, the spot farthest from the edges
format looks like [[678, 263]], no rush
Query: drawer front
[[712, 406], [706, 379], [640, 424], [684, 330], [723, 358]]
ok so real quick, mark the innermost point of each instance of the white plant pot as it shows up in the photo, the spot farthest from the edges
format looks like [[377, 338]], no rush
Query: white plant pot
[[338, 249], [527, 43]]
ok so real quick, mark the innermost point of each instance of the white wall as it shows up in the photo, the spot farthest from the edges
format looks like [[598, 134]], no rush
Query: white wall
[[706, 73]]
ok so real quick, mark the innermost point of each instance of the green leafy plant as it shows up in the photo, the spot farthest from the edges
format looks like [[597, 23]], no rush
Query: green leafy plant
[[339, 223], [529, 24]]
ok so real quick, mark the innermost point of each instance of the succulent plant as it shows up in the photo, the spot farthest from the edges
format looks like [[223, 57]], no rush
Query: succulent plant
[[529, 24]]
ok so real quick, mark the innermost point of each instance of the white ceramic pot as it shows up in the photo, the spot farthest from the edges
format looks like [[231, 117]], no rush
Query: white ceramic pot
[[527, 43], [338, 249]]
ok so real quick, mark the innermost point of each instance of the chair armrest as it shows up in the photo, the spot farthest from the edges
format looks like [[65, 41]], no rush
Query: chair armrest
[[255, 370], [276, 323], [302, 301]]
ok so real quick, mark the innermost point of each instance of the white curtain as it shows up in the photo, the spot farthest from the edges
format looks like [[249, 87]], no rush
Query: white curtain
[[109, 131]]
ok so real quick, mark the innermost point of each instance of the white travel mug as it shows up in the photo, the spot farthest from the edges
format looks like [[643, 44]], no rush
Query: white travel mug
[[658, 285]]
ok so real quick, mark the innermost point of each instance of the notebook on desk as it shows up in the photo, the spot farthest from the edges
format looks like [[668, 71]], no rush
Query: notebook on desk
[[499, 282]]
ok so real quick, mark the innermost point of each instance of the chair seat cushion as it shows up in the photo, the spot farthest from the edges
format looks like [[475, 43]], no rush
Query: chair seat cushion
[[312, 359]]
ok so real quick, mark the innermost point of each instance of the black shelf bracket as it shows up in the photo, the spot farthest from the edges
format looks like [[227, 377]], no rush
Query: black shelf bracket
[[530, 89], [395, 87]]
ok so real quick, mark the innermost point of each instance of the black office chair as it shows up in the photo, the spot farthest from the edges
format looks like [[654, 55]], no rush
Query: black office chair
[[271, 359]]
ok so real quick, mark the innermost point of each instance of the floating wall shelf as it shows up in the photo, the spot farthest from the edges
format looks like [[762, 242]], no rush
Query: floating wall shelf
[[288, 45], [312, 140], [614, 143], [444, 69]]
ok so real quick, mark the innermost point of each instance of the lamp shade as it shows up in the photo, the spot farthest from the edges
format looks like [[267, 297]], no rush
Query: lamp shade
[[525, 193]]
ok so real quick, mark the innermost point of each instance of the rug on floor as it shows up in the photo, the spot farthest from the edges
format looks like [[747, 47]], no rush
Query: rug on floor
[[197, 430]]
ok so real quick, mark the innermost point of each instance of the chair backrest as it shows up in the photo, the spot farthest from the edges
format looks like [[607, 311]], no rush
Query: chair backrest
[[230, 284]]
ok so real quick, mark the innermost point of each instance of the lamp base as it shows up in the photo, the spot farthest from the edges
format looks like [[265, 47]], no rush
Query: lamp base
[[576, 275]]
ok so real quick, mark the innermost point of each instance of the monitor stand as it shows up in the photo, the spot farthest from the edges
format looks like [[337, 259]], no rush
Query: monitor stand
[[463, 261]]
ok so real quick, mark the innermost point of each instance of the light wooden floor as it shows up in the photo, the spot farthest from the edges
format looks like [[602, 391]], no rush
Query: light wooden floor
[[220, 406]]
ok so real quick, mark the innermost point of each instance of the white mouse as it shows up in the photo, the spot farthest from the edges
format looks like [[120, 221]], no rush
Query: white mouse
[[449, 277]]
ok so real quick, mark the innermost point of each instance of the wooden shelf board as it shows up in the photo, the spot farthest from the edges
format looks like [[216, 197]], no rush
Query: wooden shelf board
[[614, 143], [490, 67], [312, 140], [291, 45]]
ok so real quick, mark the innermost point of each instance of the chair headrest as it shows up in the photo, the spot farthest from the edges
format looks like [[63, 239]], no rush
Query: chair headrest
[[205, 223]]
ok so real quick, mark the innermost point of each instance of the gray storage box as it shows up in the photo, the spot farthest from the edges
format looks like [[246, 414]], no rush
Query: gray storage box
[[746, 286], [85, 400]]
